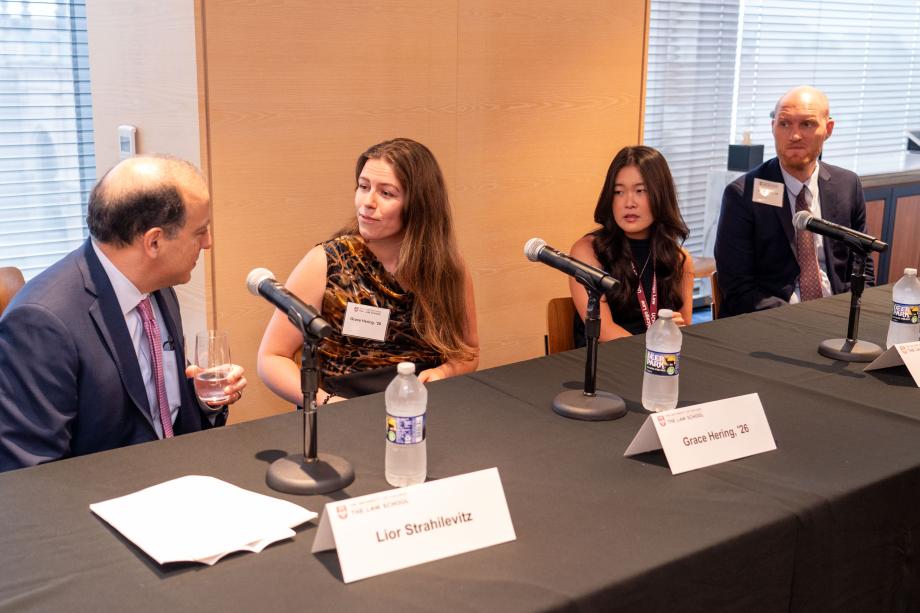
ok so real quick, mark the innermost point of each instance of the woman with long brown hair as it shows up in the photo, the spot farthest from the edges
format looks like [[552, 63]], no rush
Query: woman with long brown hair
[[640, 244], [392, 285]]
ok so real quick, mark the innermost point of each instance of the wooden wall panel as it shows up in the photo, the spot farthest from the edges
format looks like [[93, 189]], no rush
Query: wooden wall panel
[[875, 216], [905, 248], [523, 104], [547, 95]]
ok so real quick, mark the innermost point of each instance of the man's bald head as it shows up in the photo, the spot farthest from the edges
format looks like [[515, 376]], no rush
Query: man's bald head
[[801, 125], [141, 193], [804, 96]]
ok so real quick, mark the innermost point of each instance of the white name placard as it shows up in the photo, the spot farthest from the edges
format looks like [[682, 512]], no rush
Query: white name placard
[[706, 434], [383, 532], [366, 321], [768, 192], [902, 353]]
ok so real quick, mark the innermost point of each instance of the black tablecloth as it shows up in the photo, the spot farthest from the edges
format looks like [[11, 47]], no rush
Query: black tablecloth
[[828, 521]]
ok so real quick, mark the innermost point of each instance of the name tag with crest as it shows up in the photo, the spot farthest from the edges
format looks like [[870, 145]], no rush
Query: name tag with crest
[[365, 321], [768, 192]]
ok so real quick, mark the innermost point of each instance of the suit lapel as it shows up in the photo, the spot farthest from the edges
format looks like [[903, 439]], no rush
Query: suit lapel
[[110, 322], [169, 309], [784, 214], [829, 210], [827, 197]]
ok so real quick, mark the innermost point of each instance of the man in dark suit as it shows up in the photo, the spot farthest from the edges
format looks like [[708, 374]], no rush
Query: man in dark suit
[[92, 350], [760, 259]]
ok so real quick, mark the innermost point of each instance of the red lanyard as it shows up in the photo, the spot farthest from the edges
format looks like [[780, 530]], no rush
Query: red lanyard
[[649, 314]]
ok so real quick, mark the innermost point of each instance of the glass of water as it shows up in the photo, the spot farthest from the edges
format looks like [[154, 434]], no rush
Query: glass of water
[[212, 355]]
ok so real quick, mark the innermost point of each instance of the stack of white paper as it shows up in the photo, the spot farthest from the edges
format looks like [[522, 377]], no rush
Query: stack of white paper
[[200, 519]]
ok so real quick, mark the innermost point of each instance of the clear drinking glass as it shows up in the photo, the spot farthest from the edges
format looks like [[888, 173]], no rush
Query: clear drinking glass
[[212, 355]]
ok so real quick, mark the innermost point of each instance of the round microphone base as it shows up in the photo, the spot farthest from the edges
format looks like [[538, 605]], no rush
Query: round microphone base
[[603, 406], [845, 350], [294, 475]]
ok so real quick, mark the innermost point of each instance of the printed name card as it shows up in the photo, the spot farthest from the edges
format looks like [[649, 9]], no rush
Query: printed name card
[[706, 434], [907, 354], [366, 321], [387, 531], [768, 192]]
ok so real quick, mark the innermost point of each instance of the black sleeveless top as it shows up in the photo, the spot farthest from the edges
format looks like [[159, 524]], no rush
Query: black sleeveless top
[[630, 318]]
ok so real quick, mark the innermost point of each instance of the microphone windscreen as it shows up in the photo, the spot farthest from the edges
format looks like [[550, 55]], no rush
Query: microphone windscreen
[[800, 219], [533, 247], [255, 277]]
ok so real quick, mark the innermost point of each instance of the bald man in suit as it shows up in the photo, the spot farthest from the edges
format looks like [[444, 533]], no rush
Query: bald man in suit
[[757, 253], [92, 350]]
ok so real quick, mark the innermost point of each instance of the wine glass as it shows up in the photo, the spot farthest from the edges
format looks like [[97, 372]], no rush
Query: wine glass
[[212, 355]]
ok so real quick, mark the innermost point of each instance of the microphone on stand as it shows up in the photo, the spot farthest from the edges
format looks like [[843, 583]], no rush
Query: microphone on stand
[[590, 403], [803, 220], [261, 282], [537, 250], [849, 349], [309, 472]]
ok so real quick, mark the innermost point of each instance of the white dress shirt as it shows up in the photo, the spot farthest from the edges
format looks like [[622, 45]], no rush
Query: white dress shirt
[[128, 298], [794, 186]]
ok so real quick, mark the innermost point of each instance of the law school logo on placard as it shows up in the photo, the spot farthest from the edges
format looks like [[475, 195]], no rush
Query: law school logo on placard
[[395, 529], [706, 434]]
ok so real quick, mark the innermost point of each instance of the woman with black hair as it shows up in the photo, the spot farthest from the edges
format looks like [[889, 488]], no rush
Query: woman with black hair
[[640, 244]]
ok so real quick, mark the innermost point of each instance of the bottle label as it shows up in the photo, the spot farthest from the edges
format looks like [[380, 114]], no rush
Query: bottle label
[[405, 430], [664, 364], [905, 313]]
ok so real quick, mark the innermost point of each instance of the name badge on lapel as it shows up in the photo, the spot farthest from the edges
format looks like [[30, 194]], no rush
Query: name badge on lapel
[[768, 192]]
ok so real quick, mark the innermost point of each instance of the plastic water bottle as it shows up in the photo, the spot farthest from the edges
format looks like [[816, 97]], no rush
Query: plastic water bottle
[[905, 310], [407, 456], [662, 363]]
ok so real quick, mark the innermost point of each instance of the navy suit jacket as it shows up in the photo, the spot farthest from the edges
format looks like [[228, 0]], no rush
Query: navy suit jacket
[[755, 243], [70, 382]]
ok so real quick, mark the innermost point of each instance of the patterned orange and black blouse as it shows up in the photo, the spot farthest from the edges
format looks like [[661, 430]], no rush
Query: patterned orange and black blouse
[[353, 274]]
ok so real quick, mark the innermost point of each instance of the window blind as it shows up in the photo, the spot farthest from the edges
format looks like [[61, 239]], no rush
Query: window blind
[[864, 54], [691, 69], [47, 164], [718, 66]]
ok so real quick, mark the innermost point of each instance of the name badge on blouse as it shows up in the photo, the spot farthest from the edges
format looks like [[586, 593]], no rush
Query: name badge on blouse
[[768, 192], [366, 321]]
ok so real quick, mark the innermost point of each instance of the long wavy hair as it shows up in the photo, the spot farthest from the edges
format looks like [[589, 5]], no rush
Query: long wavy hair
[[429, 264], [668, 231]]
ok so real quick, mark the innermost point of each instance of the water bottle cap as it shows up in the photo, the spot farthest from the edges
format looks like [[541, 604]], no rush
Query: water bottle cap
[[911, 272], [406, 368], [666, 313]]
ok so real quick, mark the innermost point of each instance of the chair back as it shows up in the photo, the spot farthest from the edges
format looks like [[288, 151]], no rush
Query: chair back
[[11, 281], [716, 293], [560, 315]]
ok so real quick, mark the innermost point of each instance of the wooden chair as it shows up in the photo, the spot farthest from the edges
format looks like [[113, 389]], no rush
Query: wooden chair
[[716, 294], [11, 281], [560, 314]]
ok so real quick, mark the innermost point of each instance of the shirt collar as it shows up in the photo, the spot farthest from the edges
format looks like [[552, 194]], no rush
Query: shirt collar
[[795, 186], [127, 294]]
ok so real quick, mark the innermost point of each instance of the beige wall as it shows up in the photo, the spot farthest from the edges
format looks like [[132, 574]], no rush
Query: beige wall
[[143, 73], [524, 104]]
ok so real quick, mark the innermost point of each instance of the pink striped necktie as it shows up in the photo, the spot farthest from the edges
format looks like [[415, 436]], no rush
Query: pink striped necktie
[[809, 275], [152, 331]]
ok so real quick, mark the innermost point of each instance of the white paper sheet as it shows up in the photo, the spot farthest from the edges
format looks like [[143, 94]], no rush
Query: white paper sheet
[[200, 519]]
